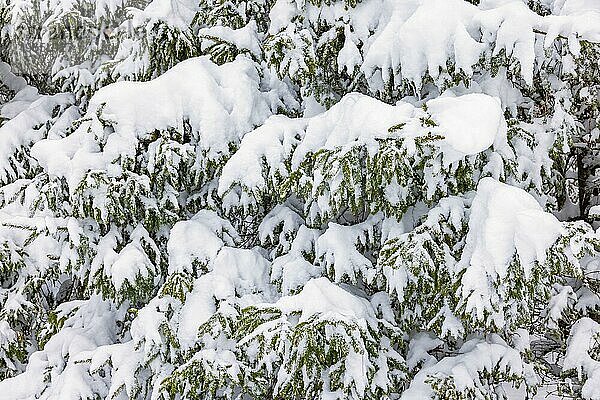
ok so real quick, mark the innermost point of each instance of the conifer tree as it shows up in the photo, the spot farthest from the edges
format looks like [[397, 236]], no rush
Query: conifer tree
[[280, 199]]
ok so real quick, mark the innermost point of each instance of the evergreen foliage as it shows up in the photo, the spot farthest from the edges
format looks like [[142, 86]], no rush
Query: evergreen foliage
[[282, 199]]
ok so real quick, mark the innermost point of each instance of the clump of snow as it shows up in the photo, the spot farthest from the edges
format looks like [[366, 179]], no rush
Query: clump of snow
[[220, 103], [362, 120], [272, 143], [198, 239], [9, 79], [88, 325], [418, 350], [575, 20], [321, 296], [245, 38], [338, 247], [355, 119], [130, 263], [469, 123], [26, 128], [292, 270], [560, 302], [435, 46], [233, 272], [177, 14], [511, 27], [505, 221], [284, 216], [145, 328], [7, 334], [20, 102], [584, 336], [475, 356], [463, 34]]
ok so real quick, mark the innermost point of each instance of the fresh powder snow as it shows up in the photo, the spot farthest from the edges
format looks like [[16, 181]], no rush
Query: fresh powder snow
[[285, 199]]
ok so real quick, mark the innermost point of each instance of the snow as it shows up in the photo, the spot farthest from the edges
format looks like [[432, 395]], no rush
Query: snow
[[505, 221], [91, 325], [245, 38], [470, 123], [463, 369], [221, 103], [10, 80], [284, 216], [559, 303], [574, 18], [436, 45], [258, 217], [321, 296], [26, 128], [358, 120], [19, 103], [464, 33], [419, 348], [175, 13], [7, 334], [338, 247], [132, 261], [461, 36], [584, 337], [355, 119], [512, 25], [198, 239], [292, 270], [145, 328], [570, 7], [233, 272], [272, 142]]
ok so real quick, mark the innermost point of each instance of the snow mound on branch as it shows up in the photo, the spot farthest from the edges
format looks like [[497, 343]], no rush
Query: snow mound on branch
[[358, 119], [25, 128], [127, 264], [220, 103], [321, 296], [198, 239], [463, 369], [435, 46], [9, 79], [463, 34], [19, 103], [234, 272], [355, 119], [570, 7], [338, 248], [92, 325], [576, 19], [583, 339], [243, 38], [505, 221], [470, 123], [177, 14], [292, 269], [505, 218], [272, 142]]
